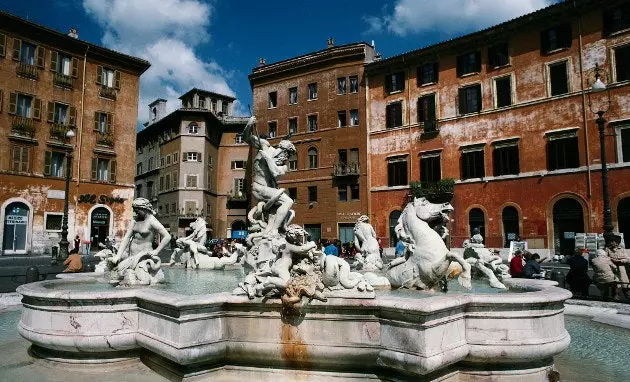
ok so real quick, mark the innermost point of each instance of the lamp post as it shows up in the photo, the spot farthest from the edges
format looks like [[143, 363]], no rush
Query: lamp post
[[600, 109], [63, 244]]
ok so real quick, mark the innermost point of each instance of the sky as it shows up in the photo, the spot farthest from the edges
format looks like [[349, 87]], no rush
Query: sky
[[214, 44]]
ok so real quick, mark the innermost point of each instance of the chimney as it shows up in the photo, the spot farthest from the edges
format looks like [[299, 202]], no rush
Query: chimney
[[261, 62], [73, 33], [157, 110], [331, 42]]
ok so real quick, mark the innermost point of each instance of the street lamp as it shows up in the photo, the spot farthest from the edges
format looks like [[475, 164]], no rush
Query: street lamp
[[600, 108], [63, 244]]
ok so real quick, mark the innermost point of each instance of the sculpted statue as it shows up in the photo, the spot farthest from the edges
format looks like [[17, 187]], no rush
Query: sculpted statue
[[485, 261], [365, 241], [109, 249], [136, 262], [426, 261]]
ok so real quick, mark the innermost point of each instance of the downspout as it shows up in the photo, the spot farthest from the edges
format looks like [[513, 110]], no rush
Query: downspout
[[408, 85], [368, 148], [80, 135], [589, 183]]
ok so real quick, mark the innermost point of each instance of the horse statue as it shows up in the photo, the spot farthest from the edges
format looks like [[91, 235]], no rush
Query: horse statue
[[426, 261]]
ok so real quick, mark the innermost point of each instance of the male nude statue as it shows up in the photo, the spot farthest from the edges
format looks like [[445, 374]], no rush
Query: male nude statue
[[269, 163]]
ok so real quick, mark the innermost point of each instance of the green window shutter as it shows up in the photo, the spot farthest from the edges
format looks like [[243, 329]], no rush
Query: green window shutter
[[198, 157], [15, 156], [51, 112], [17, 48], [117, 80], [37, 108], [94, 166], [72, 116], [54, 56], [3, 45], [96, 120], [40, 54], [25, 159], [75, 67], [99, 75], [12, 103], [185, 156], [109, 124], [47, 160], [112, 171]]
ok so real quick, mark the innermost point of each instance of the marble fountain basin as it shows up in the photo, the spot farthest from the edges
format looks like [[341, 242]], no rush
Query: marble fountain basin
[[454, 336]]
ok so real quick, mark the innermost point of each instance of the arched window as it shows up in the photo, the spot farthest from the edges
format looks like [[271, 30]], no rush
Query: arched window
[[623, 218], [193, 128], [16, 216], [393, 220], [568, 219], [477, 220], [509, 216], [312, 157]]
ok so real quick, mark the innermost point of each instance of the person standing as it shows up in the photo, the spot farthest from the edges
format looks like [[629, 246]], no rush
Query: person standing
[[516, 265], [604, 275], [400, 249], [578, 274], [77, 243], [331, 249]]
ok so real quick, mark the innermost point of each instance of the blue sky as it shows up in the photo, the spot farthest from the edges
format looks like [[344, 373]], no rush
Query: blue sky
[[214, 44]]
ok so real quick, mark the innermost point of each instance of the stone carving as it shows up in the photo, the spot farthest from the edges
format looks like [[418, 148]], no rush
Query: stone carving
[[426, 261], [109, 249], [136, 262], [368, 257], [281, 260], [485, 261]]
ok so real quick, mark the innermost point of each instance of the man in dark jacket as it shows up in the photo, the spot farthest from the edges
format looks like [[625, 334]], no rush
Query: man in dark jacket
[[532, 267], [578, 274]]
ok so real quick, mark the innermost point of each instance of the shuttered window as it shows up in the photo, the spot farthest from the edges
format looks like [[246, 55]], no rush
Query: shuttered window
[[393, 115], [103, 122], [108, 77], [54, 163], [468, 63], [20, 158], [3, 45], [103, 170], [470, 99], [558, 37]]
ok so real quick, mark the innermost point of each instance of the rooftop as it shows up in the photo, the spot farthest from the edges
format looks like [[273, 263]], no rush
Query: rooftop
[[207, 93]]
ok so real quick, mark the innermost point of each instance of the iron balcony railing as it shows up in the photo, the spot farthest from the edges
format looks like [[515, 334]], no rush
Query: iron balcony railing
[[107, 92], [23, 126], [105, 139], [58, 131], [346, 169], [63, 80], [429, 126], [27, 70]]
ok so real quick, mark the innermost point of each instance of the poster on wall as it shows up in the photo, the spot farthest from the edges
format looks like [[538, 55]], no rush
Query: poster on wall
[[516, 246]]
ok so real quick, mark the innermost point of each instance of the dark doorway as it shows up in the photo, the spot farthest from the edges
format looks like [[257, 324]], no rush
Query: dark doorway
[[568, 219], [15, 228], [477, 219], [99, 229], [510, 225], [393, 220], [623, 218]]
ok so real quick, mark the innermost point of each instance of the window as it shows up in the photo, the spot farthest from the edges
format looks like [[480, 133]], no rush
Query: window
[[54, 162], [224, 108], [312, 194], [395, 82], [505, 159], [293, 96], [468, 63], [210, 161], [341, 85], [354, 191], [342, 193], [341, 118], [139, 169], [293, 164], [103, 170], [213, 105], [151, 164], [624, 143], [558, 78], [62, 64], [273, 129], [209, 179], [193, 128], [174, 208], [293, 125], [166, 209], [558, 37], [622, 63], [498, 55], [139, 191], [430, 168], [397, 171], [312, 122], [167, 182], [314, 231], [23, 105], [192, 156], [168, 160], [107, 77], [53, 221], [473, 165], [616, 19], [354, 117], [175, 157], [150, 190], [503, 91], [292, 191], [103, 122], [191, 180], [562, 151], [239, 185], [161, 184], [427, 74], [393, 115], [273, 99], [190, 207], [354, 84], [27, 53], [162, 162], [312, 157], [175, 179], [20, 158], [238, 164], [470, 99], [202, 103], [426, 113], [312, 91], [238, 138]]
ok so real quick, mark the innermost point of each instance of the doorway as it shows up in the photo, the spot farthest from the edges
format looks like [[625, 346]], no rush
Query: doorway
[[568, 219], [477, 220], [99, 229], [510, 225], [623, 218], [346, 232], [16, 226], [393, 221]]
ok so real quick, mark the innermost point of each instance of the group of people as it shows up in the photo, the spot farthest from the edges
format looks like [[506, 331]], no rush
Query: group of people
[[526, 265], [336, 248]]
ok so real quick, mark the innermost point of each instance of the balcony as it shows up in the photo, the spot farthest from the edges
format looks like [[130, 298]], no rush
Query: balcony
[[104, 139], [63, 81], [26, 70], [58, 132], [23, 126], [107, 92], [346, 169], [429, 127]]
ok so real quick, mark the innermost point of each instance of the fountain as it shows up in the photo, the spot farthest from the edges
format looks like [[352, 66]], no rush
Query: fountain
[[298, 314]]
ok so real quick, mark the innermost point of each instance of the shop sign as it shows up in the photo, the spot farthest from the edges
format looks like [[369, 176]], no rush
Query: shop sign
[[16, 220], [102, 199]]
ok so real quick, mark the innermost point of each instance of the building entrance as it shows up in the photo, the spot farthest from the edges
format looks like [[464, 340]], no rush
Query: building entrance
[[568, 218], [99, 229], [15, 228]]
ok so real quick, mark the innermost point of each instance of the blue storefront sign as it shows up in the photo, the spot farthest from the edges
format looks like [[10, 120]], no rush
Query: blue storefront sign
[[239, 234]]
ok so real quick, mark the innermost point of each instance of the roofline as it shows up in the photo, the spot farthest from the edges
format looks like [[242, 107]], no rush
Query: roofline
[[207, 92], [136, 64]]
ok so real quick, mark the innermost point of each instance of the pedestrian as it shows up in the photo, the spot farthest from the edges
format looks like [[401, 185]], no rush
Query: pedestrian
[[604, 275], [578, 274], [74, 262], [619, 257], [400, 249], [532, 269], [516, 265], [77, 243], [331, 249]]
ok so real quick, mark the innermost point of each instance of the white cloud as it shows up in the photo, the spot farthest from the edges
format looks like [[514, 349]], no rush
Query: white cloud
[[165, 33], [450, 16]]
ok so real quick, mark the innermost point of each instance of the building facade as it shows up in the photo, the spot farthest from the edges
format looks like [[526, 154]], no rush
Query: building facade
[[505, 111], [319, 100], [191, 163], [51, 83]]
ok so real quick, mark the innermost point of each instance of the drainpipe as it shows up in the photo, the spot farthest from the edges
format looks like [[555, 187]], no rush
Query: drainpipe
[[368, 165], [409, 123], [80, 135], [589, 191]]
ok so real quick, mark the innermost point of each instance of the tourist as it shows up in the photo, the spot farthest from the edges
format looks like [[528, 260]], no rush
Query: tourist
[[516, 265], [619, 257], [532, 270], [331, 249], [74, 262], [578, 274], [604, 275], [77, 243], [400, 249]]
